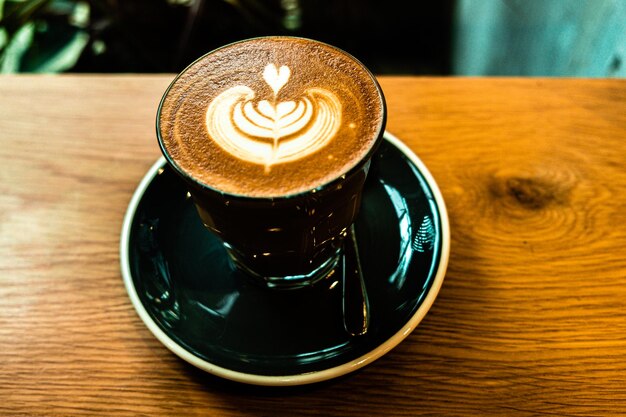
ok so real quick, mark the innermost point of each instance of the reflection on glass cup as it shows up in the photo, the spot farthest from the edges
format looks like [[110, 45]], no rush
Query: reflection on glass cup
[[273, 137]]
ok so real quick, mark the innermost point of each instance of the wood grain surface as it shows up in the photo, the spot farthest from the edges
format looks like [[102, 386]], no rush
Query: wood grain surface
[[531, 319]]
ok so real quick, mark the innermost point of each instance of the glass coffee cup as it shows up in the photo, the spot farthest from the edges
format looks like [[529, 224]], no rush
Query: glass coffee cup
[[273, 138]]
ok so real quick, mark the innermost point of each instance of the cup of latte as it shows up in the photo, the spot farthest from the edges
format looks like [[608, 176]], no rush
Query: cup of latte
[[273, 138]]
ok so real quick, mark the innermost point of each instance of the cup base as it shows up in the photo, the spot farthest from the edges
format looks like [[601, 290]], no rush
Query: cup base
[[288, 282]]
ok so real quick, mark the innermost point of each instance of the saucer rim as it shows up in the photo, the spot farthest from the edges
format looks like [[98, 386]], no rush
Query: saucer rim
[[302, 378]]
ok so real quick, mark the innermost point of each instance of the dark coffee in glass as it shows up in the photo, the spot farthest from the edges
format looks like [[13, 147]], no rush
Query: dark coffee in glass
[[274, 137]]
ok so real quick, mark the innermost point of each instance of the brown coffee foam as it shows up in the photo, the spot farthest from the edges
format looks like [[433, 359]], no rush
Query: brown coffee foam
[[313, 65]]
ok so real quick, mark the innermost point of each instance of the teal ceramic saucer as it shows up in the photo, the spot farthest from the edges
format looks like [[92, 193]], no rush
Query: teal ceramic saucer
[[204, 310]]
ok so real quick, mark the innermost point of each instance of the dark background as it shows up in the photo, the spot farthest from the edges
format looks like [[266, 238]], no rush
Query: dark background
[[458, 37], [170, 38], [165, 36]]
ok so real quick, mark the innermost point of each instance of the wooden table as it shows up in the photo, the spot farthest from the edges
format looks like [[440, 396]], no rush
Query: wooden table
[[531, 318]]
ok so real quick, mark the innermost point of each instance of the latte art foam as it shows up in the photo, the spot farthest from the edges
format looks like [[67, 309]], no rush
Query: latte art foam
[[270, 117], [271, 132]]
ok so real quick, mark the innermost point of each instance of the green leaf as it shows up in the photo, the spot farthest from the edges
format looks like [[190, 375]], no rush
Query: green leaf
[[4, 38], [17, 47], [55, 50], [80, 14], [18, 13]]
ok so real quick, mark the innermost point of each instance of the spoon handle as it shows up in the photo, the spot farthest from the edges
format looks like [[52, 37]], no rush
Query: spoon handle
[[356, 315]]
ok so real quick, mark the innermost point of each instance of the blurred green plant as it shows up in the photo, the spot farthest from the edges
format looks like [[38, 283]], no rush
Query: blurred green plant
[[42, 35], [148, 36], [129, 35]]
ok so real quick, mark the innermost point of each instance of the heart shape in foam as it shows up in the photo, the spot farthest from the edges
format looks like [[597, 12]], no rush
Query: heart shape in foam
[[276, 78], [272, 132]]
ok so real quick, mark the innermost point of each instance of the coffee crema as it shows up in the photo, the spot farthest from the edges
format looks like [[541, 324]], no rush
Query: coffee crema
[[271, 117]]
